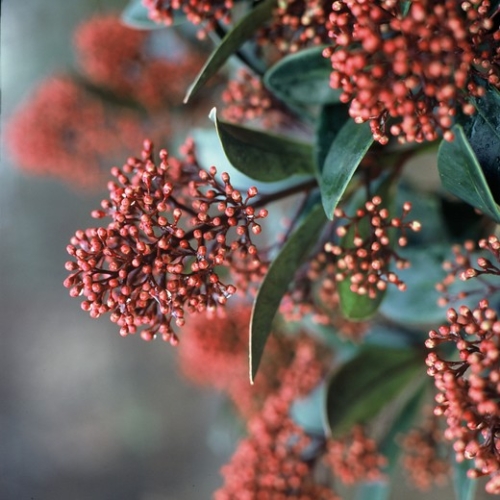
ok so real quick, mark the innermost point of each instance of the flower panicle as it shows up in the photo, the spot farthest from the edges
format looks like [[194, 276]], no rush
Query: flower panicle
[[468, 387], [172, 226], [409, 74], [364, 259]]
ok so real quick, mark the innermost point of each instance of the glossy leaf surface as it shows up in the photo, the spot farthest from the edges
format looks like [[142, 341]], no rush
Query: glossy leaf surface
[[365, 384], [344, 156], [263, 156], [303, 77]]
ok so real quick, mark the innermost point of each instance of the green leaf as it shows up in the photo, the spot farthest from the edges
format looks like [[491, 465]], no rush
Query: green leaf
[[465, 487], [345, 154], [263, 156], [354, 306], [461, 174], [233, 40], [303, 77], [363, 386], [277, 279], [482, 130], [331, 119], [136, 16], [418, 304]]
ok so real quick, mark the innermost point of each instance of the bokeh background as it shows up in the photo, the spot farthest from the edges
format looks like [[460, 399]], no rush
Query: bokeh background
[[84, 414]]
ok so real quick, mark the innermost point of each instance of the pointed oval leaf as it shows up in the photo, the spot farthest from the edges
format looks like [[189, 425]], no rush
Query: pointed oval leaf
[[364, 385], [136, 16], [461, 174], [263, 156], [345, 154], [233, 40], [276, 282], [303, 77]]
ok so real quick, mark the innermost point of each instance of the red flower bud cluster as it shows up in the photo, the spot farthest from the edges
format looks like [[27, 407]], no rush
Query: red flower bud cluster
[[469, 387], [297, 24], [366, 251], [173, 225], [464, 268], [247, 100], [355, 457], [116, 57], [63, 131], [424, 457], [271, 461], [412, 71], [196, 11]]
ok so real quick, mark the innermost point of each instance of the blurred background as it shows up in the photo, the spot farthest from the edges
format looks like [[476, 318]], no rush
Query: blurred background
[[84, 414]]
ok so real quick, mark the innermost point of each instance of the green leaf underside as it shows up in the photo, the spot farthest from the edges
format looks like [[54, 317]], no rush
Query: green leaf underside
[[464, 487], [364, 385], [233, 40], [136, 16], [345, 154], [461, 174], [277, 280], [303, 77], [354, 306], [262, 156]]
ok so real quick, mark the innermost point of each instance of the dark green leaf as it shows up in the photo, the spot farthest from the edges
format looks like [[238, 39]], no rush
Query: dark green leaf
[[483, 133], [353, 305], [276, 282], [364, 385], [303, 77], [263, 156], [331, 120], [345, 154], [136, 16], [465, 488], [233, 40], [462, 175]]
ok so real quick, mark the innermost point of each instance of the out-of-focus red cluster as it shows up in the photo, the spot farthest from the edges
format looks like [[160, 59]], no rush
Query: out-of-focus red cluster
[[278, 459], [117, 58], [297, 24], [214, 352], [197, 12], [409, 73], [247, 100], [172, 226], [63, 131]]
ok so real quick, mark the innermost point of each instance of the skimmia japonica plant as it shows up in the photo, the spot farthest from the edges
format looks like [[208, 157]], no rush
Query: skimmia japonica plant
[[372, 313]]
